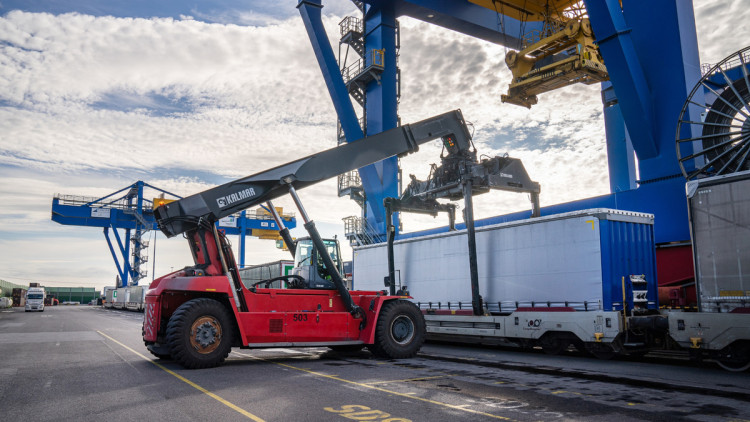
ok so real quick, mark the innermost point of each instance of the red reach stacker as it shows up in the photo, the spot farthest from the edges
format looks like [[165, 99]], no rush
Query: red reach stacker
[[197, 314]]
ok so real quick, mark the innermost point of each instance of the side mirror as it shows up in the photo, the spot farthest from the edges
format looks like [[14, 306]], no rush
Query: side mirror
[[386, 281]]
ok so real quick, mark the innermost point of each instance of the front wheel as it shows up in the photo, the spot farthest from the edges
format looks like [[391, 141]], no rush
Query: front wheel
[[199, 334], [400, 330]]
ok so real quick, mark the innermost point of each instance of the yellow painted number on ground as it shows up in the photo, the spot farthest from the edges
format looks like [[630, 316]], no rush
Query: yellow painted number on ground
[[363, 413], [592, 224]]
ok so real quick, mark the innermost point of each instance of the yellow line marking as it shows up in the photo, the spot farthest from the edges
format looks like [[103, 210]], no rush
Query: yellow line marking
[[410, 379], [396, 393], [190, 383], [592, 224]]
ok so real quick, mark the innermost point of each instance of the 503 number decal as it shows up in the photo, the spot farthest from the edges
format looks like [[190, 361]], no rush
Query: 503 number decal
[[299, 317]]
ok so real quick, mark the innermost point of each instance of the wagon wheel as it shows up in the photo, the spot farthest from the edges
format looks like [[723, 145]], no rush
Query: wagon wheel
[[720, 138]]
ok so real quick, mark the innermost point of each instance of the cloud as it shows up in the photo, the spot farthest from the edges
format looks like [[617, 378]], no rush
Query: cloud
[[722, 27], [147, 94]]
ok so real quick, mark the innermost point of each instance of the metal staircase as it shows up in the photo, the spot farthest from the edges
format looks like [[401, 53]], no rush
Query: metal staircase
[[366, 67], [359, 231]]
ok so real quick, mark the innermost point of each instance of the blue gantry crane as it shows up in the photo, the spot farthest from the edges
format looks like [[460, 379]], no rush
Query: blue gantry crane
[[127, 209], [644, 54]]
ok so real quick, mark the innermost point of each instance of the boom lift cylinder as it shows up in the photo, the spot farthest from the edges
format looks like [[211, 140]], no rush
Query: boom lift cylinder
[[336, 278]]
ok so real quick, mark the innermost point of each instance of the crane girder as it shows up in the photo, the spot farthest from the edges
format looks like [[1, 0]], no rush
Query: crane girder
[[530, 10]]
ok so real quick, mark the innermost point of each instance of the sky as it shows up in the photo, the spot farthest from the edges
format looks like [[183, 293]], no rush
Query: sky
[[97, 94]]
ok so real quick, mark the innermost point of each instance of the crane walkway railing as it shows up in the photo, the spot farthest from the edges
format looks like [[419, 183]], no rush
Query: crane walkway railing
[[359, 231]]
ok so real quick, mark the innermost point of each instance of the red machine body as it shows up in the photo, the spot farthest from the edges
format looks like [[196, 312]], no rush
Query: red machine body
[[276, 317]]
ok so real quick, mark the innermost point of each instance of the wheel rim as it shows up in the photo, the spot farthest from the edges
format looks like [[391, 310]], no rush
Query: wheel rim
[[402, 329], [205, 334], [723, 136]]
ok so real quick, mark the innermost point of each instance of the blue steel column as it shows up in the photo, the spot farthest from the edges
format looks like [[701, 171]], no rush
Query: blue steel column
[[651, 53], [310, 12], [370, 176], [625, 71], [620, 154], [382, 106], [123, 273], [125, 249]]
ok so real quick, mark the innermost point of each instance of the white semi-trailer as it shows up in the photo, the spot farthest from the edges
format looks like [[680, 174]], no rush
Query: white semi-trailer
[[720, 229], [547, 281], [135, 297]]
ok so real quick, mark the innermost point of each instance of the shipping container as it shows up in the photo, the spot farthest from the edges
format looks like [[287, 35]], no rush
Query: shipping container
[[585, 260], [255, 273], [720, 228], [19, 297]]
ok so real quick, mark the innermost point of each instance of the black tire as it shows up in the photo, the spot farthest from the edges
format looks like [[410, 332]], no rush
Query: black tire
[[553, 344], [199, 334], [161, 351], [400, 331]]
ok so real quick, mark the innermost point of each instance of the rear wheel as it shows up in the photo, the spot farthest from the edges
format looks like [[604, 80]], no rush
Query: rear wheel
[[400, 330], [199, 334]]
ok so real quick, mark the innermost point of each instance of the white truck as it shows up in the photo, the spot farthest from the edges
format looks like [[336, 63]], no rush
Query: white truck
[[35, 299]]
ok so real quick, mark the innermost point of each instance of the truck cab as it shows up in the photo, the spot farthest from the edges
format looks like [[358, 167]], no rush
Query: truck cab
[[35, 299], [308, 263]]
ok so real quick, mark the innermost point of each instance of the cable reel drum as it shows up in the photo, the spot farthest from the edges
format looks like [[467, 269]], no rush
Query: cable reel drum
[[721, 139]]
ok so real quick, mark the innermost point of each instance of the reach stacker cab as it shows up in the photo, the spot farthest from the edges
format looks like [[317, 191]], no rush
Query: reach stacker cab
[[309, 264], [197, 314]]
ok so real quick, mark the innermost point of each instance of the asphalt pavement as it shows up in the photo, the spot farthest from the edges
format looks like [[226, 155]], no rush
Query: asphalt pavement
[[86, 363]]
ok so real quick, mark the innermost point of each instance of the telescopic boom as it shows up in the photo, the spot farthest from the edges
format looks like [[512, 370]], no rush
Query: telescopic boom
[[210, 205]]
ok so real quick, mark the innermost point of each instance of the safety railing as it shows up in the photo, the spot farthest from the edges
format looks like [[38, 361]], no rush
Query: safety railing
[[350, 24], [78, 200], [374, 59], [738, 60], [359, 231]]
